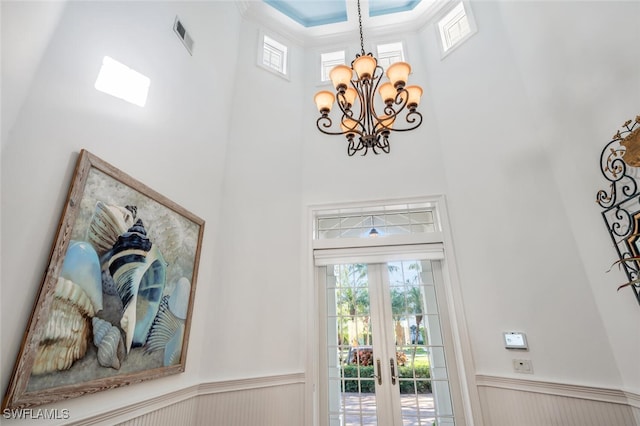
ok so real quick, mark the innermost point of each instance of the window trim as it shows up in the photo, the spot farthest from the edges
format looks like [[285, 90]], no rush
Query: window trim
[[287, 54], [473, 28]]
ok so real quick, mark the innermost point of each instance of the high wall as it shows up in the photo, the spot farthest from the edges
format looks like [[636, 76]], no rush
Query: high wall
[[176, 144], [514, 123]]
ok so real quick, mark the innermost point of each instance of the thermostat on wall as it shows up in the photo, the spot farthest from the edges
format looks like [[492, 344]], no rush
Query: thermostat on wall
[[515, 340]]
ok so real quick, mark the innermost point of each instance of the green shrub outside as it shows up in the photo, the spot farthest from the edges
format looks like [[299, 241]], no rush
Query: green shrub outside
[[369, 386]]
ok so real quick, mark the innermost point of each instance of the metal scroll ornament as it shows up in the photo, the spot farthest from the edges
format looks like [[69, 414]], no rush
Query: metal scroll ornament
[[620, 165]]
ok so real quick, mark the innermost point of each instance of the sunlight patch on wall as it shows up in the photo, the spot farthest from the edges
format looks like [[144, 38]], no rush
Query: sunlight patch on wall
[[117, 79]]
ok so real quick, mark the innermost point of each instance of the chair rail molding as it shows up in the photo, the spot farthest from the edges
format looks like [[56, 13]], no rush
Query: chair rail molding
[[145, 407]]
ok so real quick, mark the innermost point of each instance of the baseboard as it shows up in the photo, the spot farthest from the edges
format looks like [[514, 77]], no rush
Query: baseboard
[[615, 396]]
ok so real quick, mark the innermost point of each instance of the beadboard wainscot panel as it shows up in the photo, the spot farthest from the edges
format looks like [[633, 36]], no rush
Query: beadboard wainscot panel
[[508, 402], [265, 401]]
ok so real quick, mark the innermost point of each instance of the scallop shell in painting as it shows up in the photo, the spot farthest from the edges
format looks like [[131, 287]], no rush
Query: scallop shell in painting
[[139, 272], [66, 333], [108, 339], [107, 224], [167, 331], [166, 334]]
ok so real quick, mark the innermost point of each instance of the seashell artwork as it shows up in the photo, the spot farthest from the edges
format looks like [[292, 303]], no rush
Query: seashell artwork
[[173, 348], [108, 277], [108, 339], [66, 332], [82, 266], [179, 301], [167, 331], [166, 334], [139, 272], [107, 224], [149, 295]]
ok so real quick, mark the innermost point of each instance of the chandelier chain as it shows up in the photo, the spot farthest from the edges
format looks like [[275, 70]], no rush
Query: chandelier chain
[[360, 23]]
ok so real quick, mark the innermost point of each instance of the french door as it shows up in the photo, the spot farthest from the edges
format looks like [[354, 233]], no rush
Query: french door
[[385, 359]]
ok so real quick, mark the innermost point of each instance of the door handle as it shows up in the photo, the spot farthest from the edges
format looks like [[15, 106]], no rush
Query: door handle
[[379, 376], [393, 371]]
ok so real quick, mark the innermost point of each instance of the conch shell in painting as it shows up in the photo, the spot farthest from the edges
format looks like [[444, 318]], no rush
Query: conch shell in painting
[[108, 339], [65, 337], [77, 297], [139, 272], [107, 224], [632, 144], [167, 331]]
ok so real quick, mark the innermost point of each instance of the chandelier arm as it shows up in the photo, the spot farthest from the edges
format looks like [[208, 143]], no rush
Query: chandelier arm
[[385, 147], [370, 118], [357, 85], [352, 148], [387, 110], [401, 99], [412, 117], [324, 122], [348, 112], [366, 149]]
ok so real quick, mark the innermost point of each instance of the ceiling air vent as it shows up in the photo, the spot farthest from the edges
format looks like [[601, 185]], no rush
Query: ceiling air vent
[[183, 35]]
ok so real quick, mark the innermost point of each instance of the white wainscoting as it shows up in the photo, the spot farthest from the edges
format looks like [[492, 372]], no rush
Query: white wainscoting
[[264, 401], [279, 401], [520, 402]]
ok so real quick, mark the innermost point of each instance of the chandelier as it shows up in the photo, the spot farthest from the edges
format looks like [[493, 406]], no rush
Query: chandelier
[[366, 121]]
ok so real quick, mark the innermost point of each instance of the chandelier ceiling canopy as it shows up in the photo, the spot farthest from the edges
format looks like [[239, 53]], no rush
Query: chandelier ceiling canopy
[[365, 119]]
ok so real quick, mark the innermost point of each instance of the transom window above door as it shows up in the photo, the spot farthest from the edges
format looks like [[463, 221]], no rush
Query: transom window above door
[[377, 221]]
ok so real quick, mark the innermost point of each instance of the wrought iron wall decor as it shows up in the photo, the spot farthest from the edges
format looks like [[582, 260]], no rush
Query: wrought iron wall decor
[[620, 165]]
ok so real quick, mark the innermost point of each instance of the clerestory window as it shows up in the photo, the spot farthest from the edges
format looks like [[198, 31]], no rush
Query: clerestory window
[[273, 56]]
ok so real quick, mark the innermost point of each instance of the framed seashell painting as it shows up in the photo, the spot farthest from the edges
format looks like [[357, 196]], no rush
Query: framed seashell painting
[[620, 165], [115, 305]]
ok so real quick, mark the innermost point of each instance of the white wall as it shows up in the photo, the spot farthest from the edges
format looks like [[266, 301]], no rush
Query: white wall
[[529, 113], [176, 145], [518, 262], [584, 84], [255, 327], [26, 30]]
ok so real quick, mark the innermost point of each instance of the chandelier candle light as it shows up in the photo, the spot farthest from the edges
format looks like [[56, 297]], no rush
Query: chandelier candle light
[[356, 100]]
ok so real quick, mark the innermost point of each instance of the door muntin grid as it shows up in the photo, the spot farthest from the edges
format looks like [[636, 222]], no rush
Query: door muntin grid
[[417, 332], [414, 330], [351, 384]]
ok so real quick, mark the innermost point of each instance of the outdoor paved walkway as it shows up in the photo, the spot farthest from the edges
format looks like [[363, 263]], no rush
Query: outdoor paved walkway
[[360, 409]]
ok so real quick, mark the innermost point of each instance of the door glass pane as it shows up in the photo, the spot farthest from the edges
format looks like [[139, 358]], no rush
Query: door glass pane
[[423, 380], [352, 399]]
